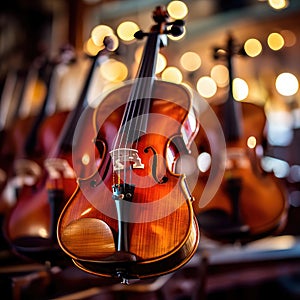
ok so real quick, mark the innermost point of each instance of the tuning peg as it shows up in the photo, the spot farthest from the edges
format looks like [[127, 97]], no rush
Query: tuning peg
[[177, 23], [111, 42], [176, 28], [140, 34]]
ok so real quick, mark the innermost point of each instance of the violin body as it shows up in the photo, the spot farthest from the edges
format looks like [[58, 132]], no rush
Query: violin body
[[159, 232], [250, 203]]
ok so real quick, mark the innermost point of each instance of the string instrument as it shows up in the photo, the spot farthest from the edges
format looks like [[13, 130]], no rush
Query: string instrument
[[33, 97], [249, 203], [10, 98], [36, 104], [8, 105], [133, 218], [29, 90], [18, 85], [31, 225]]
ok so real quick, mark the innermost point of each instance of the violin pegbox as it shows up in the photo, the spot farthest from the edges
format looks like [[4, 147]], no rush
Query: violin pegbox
[[163, 26]]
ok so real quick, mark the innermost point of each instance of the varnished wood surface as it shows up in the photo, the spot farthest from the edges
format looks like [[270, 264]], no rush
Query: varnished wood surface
[[161, 216]]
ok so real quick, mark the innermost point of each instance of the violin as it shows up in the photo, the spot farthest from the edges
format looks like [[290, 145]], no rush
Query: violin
[[8, 105], [134, 218], [19, 84], [249, 203], [24, 137], [31, 225], [28, 87]]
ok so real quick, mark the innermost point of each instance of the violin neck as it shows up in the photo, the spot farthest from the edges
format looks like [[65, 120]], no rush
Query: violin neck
[[232, 111], [138, 104], [66, 138], [49, 78]]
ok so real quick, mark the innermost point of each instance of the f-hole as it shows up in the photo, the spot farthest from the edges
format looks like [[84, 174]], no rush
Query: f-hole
[[164, 179]]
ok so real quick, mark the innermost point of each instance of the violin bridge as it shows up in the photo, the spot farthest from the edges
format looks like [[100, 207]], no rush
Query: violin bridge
[[122, 155]]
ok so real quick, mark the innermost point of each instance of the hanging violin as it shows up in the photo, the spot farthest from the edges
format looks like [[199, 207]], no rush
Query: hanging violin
[[31, 225], [24, 84], [134, 218], [25, 136], [249, 203]]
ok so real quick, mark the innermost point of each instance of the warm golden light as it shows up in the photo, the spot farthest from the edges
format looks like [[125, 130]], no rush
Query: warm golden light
[[85, 159], [278, 4], [251, 142], [91, 48], [99, 33], [287, 84], [126, 30], [172, 74], [253, 47], [113, 70], [206, 87], [177, 9], [138, 53], [240, 89], [220, 74], [190, 61], [275, 41], [161, 63]]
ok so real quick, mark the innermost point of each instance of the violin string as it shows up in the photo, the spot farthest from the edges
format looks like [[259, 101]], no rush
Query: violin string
[[146, 90], [121, 138], [142, 98], [135, 108]]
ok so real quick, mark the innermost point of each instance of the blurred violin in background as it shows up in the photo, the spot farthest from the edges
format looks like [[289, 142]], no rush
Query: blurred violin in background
[[21, 86], [30, 227], [24, 136], [249, 203]]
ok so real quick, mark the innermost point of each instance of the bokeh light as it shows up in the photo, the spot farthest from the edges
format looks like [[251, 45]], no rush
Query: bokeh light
[[126, 30], [190, 61], [240, 89], [113, 70], [287, 84], [275, 41], [99, 33], [91, 48], [253, 47], [220, 74], [172, 74], [251, 142], [177, 9], [278, 4], [206, 87], [204, 162]]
